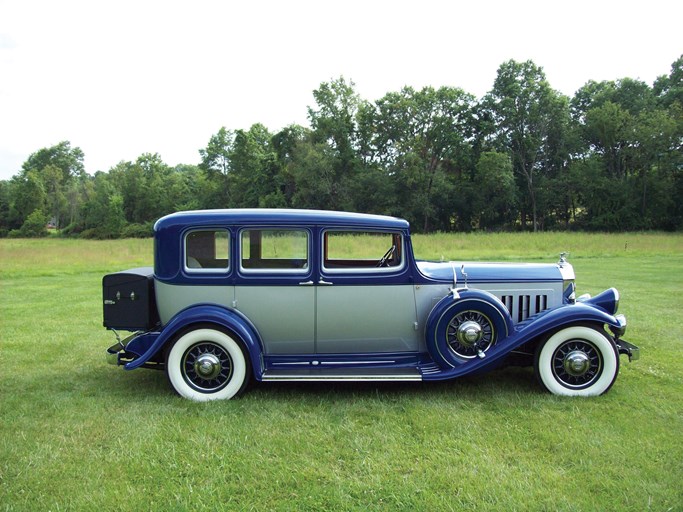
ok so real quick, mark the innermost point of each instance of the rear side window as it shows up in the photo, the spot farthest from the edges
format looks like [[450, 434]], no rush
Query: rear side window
[[280, 250], [362, 251], [207, 249]]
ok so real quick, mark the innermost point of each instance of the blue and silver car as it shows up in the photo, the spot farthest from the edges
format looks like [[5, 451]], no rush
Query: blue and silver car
[[303, 295]]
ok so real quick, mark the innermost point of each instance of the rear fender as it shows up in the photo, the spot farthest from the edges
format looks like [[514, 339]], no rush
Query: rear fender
[[229, 319]]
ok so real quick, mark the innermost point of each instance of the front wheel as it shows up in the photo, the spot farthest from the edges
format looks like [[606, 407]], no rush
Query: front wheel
[[206, 364], [577, 361]]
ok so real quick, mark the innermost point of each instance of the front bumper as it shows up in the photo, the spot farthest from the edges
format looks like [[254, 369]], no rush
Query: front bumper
[[626, 348]]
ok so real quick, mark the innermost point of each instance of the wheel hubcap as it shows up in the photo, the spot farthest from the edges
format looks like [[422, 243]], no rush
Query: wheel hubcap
[[470, 333], [577, 364], [207, 367]]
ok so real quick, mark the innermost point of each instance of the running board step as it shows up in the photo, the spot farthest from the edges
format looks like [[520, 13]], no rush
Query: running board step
[[343, 374]]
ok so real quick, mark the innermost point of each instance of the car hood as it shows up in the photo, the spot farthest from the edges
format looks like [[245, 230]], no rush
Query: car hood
[[496, 272]]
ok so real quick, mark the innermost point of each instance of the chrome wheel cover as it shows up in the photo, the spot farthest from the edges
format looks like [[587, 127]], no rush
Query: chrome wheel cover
[[207, 367], [577, 364], [470, 332]]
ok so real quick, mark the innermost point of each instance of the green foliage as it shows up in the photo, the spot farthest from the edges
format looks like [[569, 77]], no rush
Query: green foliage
[[5, 201], [333, 143], [525, 110], [27, 195], [523, 157], [138, 230], [633, 154], [313, 176], [493, 191], [34, 226], [49, 180], [254, 176], [69, 161], [422, 146], [216, 156]]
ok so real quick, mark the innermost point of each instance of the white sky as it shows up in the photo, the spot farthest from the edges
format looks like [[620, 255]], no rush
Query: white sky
[[121, 78]]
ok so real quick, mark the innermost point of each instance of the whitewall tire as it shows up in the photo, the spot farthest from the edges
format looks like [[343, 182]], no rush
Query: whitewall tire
[[207, 364], [577, 361]]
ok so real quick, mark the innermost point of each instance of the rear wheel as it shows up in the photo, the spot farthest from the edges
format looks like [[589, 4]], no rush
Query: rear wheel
[[577, 361], [207, 364]]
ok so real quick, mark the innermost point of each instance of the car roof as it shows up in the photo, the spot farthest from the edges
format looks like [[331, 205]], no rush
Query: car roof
[[277, 217]]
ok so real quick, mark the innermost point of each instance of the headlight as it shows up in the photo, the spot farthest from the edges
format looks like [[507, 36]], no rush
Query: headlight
[[569, 293]]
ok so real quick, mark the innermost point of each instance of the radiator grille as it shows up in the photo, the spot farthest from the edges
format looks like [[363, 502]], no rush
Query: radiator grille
[[522, 307]]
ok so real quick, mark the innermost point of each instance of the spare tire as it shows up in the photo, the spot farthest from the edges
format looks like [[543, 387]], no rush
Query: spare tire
[[461, 329]]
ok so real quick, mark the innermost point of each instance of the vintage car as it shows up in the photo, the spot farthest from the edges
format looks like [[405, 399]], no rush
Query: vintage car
[[302, 295]]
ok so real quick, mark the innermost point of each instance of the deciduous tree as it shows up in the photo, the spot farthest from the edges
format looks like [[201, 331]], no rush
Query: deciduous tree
[[520, 107]]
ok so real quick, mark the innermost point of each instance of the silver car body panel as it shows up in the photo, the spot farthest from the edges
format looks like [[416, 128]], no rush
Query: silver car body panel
[[523, 302], [357, 319], [345, 319], [171, 298], [284, 316]]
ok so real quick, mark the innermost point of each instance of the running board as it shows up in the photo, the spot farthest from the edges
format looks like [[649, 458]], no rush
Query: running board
[[343, 374]]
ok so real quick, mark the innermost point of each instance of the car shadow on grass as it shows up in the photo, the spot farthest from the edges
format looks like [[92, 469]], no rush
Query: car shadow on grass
[[504, 382], [116, 383]]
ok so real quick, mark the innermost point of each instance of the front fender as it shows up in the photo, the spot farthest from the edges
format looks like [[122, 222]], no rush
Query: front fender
[[567, 314], [607, 301], [207, 313], [540, 325]]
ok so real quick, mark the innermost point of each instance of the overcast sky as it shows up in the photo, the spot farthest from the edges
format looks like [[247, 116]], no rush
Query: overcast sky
[[122, 78]]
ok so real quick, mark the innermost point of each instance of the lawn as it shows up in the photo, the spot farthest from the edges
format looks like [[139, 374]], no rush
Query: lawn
[[78, 434]]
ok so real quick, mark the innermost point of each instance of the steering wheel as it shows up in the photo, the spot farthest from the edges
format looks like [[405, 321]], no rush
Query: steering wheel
[[384, 260]]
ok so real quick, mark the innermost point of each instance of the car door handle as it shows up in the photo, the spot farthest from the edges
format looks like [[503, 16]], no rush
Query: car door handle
[[306, 283], [322, 281]]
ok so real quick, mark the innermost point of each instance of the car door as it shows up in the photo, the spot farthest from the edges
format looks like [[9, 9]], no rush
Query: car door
[[275, 288], [365, 300]]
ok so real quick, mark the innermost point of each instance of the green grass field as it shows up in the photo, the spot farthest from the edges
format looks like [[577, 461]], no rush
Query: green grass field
[[78, 434]]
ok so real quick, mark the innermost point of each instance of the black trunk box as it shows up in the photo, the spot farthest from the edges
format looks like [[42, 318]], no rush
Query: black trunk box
[[129, 300]]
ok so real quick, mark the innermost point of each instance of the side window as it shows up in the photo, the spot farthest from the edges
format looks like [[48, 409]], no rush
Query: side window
[[279, 250], [207, 250], [362, 251]]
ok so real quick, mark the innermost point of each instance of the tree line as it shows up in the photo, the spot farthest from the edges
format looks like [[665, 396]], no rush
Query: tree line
[[522, 157]]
